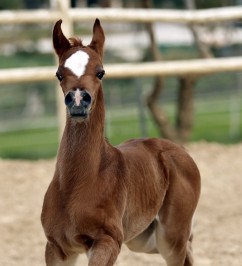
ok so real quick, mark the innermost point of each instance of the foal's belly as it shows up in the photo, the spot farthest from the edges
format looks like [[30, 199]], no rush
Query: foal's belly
[[136, 227], [143, 205], [140, 213]]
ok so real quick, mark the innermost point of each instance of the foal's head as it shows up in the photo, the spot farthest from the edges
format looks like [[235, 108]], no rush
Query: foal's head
[[80, 70]]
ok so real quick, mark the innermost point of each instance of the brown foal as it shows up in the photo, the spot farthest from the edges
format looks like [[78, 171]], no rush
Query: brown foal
[[142, 193]]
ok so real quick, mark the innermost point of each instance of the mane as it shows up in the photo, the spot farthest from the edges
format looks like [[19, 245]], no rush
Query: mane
[[75, 42]]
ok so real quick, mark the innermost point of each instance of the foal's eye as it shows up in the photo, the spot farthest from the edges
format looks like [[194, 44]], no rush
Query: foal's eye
[[59, 76], [100, 74]]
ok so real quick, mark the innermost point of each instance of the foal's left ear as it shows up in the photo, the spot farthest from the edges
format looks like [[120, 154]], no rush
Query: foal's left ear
[[98, 38]]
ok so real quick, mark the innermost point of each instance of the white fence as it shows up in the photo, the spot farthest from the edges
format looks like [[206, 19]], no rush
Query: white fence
[[207, 16], [70, 15], [169, 68], [126, 15]]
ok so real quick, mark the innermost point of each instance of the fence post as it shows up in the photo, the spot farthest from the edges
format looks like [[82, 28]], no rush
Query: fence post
[[141, 109], [235, 110], [67, 27]]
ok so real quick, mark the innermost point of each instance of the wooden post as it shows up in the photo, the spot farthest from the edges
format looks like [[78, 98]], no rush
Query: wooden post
[[141, 108], [67, 27]]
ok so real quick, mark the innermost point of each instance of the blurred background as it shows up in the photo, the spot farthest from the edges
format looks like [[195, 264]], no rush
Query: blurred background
[[184, 109]]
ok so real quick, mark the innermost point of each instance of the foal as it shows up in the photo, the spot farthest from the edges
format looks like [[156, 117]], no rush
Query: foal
[[142, 193]]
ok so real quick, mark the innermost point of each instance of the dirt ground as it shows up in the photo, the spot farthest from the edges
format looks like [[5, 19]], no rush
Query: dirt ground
[[217, 228]]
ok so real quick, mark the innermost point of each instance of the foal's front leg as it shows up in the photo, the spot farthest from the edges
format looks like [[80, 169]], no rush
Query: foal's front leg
[[104, 251], [53, 258]]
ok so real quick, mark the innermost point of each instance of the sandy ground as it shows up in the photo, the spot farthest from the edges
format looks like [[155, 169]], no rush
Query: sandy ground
[[218, 224]]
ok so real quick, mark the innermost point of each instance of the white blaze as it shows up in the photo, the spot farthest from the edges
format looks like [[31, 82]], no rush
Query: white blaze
[[77, 63], [78, 97]]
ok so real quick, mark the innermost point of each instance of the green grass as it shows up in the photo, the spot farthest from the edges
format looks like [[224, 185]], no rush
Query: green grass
[[128, 126], [29, 144], [216, 128], [121, 125]]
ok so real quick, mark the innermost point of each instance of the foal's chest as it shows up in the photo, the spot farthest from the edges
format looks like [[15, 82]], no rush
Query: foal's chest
[[73, 222]]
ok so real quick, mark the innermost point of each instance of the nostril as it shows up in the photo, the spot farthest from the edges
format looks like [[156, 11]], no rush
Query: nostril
[[86, 97], [68, 99]]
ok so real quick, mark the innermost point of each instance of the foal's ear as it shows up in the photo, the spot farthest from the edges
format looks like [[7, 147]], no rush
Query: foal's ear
[[98, 38], [60, 42]]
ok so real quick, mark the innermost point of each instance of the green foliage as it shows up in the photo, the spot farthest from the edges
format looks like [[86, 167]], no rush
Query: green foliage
[[19, 4], [213, 3], [11, 4]]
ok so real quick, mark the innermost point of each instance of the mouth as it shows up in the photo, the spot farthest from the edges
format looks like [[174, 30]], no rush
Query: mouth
[[79, 113], [79, 116]]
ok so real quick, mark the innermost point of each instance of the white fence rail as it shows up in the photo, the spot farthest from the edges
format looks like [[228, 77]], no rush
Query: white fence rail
[[207, 16], [126, 15], [170, 68]]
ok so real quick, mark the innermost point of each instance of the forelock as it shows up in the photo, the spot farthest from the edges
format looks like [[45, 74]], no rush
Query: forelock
[[76, 42]]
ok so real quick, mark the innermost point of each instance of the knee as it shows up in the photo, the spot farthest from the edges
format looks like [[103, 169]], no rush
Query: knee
[[53, 254]]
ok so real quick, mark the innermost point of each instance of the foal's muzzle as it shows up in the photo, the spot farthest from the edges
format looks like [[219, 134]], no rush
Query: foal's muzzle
[[78, 103]]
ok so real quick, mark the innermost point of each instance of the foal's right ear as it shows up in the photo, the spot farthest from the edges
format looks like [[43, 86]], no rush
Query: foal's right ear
[[98, 38], [60, 42]]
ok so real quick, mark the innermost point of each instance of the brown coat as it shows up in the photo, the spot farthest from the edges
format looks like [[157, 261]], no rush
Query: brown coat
[[142, 193]]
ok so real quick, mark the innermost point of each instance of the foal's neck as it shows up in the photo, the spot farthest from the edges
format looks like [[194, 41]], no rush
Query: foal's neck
[[85, 137], [83, 143]]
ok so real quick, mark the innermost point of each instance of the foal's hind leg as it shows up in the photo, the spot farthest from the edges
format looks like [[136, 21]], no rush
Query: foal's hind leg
[[174, 245], [189, 255], [174, 228]]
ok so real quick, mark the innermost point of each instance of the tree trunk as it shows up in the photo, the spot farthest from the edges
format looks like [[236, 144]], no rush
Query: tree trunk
[[203, 49], [159, 115], [185, 109]]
